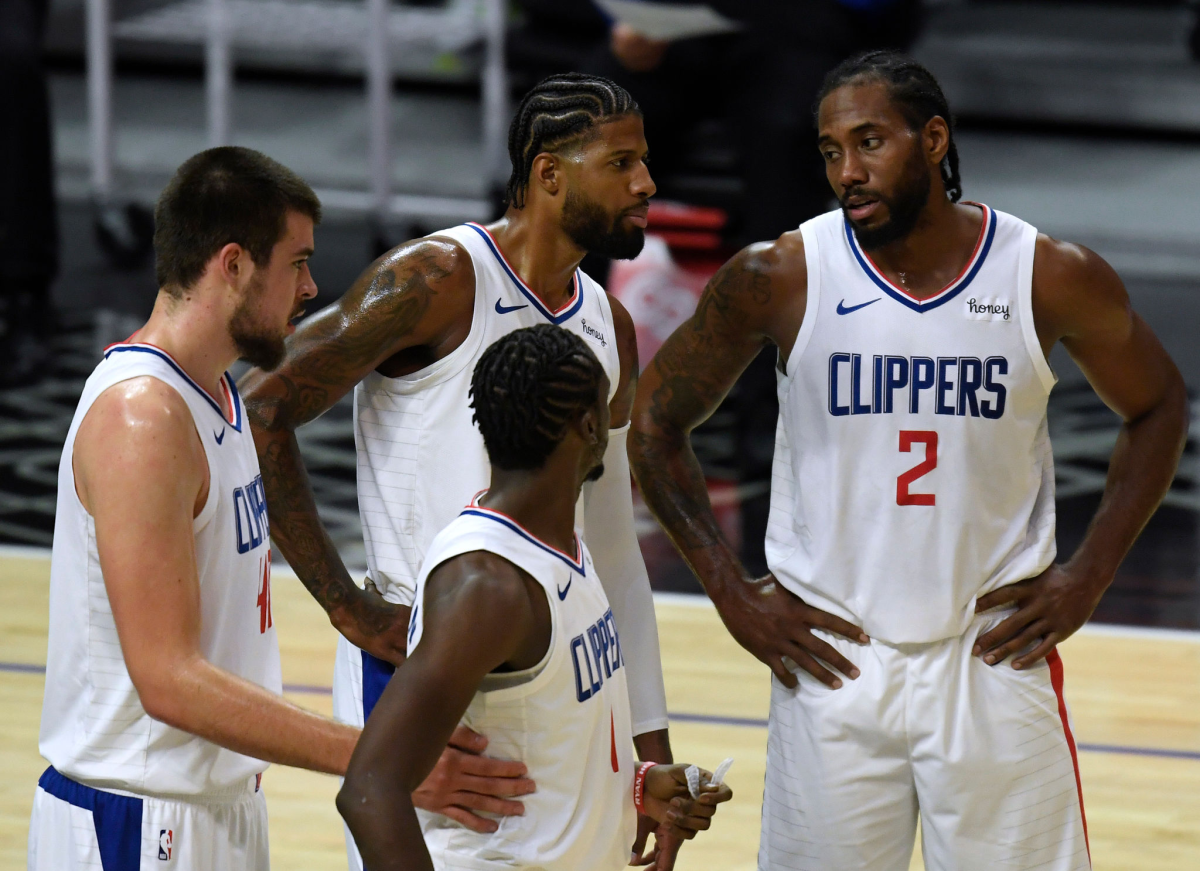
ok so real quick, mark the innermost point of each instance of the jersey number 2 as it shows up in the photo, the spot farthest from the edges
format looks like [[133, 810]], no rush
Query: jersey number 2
[[907, 438]]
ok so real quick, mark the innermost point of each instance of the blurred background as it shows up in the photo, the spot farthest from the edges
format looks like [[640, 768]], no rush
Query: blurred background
[[1080, 117]]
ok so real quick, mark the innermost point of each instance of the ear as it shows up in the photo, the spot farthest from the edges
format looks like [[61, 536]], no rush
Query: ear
[[233, 264], [588, 427], [547, 173], [936, 139]]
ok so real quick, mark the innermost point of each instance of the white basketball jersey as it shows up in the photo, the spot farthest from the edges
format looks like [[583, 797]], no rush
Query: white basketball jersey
[[912, 469], [94, 728], [567, 718], [420, 456]]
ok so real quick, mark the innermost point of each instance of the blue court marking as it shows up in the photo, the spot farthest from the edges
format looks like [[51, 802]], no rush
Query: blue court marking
[[716, 720]]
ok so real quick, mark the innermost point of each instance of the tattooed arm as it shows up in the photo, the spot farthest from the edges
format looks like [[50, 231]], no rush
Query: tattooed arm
[[408, 308], [757, 298]]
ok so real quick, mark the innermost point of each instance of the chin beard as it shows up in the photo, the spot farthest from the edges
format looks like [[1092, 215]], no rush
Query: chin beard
[[255, 345], [904, 210], [595, 474], [589, 227]]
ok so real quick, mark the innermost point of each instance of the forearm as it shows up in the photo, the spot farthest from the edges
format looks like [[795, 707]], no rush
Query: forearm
[[1140, 471], [612, 541], [654, 746], [238, 715], [381, 816], [673, 487]]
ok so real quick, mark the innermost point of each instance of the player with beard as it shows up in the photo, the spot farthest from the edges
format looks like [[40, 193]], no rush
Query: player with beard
[[406, 337], [914, 605], [162, 702]]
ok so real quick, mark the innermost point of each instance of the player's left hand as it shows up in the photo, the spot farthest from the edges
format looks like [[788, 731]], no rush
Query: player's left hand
[[1050, 608], [669, 801]]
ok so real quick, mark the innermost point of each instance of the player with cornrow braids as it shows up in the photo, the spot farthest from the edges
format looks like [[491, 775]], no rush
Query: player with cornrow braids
[[405, 338], [913, 609]]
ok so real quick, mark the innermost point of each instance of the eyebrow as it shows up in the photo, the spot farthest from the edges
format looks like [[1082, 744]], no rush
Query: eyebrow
[[857, 128], [305, 252]]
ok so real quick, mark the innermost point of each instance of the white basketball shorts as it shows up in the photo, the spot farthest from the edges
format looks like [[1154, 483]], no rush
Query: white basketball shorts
[[359, 679], [75, 827], [983, 756]]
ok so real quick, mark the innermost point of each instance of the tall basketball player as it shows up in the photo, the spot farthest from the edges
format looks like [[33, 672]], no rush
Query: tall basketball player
[[512, 633], [162, 703], [911, 540], [406, 337]]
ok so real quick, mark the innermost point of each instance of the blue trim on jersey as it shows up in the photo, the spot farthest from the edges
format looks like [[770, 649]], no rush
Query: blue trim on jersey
[[234, 400], [516, 527], [117, 818], [375, 676], [556, 319], [943, 296]]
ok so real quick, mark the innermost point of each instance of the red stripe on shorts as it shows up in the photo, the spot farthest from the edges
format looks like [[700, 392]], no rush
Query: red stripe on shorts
[[1056, 679]]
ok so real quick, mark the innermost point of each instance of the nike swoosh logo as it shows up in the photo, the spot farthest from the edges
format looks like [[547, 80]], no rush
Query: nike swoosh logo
[[505, 309], [220, 437], [844, 309], [562, 594]]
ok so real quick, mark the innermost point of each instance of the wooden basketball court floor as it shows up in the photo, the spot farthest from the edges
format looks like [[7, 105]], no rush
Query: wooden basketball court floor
[[1134, 695]]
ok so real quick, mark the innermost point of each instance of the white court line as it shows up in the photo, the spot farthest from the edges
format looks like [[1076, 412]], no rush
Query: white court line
[[695, 600]]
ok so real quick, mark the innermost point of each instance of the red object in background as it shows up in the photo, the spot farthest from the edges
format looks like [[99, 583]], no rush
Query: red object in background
[[661, 287]]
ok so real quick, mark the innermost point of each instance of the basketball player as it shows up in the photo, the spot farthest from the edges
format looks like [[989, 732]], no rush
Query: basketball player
[[406, 337], [512, 633], [162, 705], [913, 606]]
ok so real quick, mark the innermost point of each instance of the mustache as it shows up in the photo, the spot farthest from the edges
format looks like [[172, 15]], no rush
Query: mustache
[[861, 192]]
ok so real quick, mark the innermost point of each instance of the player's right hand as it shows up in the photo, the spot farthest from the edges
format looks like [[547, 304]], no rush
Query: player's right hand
[[772, 623], [373, 624], [464, 781]]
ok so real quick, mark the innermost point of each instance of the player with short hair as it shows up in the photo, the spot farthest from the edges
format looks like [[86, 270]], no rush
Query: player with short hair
[[162, 702], [405, 338], [911, 537], [512, 634]]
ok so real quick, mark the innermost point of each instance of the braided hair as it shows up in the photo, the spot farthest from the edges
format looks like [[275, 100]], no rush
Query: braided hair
[[559, 109], [526, 391], [912, 88]]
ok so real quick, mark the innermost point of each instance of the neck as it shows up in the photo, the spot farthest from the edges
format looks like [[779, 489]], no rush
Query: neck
[[195, 332], [538, 501], [540, 252], [934, 244]]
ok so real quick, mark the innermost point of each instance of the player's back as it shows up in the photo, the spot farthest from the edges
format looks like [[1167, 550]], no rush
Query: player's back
[[913, 470], [420, 456], [567, 718], [94, 728]]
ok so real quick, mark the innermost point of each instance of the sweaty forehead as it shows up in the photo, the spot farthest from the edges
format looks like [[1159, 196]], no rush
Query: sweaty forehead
[[858, 102], [624, 132]]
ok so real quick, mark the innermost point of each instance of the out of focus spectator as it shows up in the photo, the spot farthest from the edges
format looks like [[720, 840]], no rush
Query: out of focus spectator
[[28, 218]]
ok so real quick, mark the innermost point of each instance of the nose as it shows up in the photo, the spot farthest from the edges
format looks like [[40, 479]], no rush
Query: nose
[[849, 171], [308, 287], [643, 185]]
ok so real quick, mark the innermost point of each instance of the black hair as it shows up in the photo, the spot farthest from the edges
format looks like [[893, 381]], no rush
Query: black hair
[[559, 109], [224, 195], [912, 88], [526, 390]]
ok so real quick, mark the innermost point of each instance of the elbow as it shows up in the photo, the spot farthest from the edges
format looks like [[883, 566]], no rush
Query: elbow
[[163, 700], [350, 800]]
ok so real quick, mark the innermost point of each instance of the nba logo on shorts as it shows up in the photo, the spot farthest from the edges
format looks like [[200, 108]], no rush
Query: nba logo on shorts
[[165, 837]]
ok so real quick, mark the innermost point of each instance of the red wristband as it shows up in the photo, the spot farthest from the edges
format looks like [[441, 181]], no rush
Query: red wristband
[[639, 786]]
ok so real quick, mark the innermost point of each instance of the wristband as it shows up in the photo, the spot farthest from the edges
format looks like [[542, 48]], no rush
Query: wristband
[[639, 786]]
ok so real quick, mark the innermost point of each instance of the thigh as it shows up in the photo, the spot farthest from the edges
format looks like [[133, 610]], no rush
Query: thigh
[[62, 837], [839, 791], [348, 684], [200, 837], [995, 765]]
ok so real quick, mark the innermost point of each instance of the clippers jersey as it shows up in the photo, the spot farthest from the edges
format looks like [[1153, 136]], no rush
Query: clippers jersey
[[94, 728], [420, 456], [567, 718], [912, 468]]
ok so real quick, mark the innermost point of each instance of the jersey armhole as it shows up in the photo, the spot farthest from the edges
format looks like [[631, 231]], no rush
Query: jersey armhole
[[812, 264], [1025, 260]]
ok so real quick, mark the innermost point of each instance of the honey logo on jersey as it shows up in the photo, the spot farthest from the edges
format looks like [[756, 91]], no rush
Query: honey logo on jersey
[[989, 309], [594, 333]]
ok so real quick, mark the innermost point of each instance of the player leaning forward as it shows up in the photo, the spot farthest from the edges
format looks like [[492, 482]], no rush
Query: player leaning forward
[[512, 633], [913, 495], [405, 338], [162, 705]]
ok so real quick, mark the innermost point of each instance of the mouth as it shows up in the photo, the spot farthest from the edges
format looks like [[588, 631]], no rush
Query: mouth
[[638, 215], [860, 207], [295, 316]]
